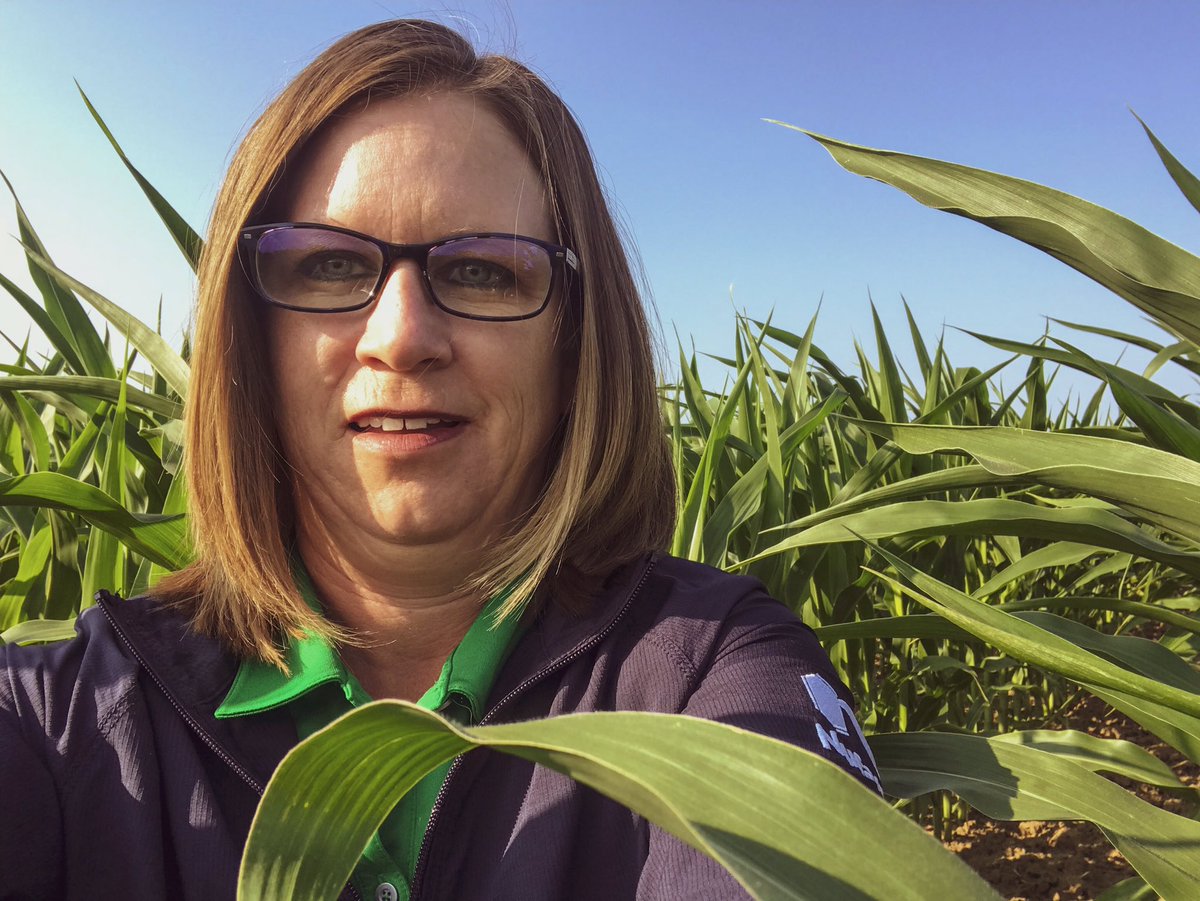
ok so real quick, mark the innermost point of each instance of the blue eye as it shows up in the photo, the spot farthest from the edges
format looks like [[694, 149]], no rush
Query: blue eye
[[335, 267], [475, 273]]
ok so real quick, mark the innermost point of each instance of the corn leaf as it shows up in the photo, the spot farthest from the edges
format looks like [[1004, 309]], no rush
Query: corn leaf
[[1187, 183], [152, 345], [39, 630], [35, 557], [60, 304], [1100, 755], [104, 564], [87, 386], [1030, 643], [713, 786], [1009, 781], [188, 241], [1150, 272], [988, 516], [161, 538], [1161, 487]]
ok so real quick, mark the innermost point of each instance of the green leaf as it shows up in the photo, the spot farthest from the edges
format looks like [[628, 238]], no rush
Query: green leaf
[[58, 340], [1164, 429], [943, 480], [152, 345], [1152, 612], [61, 305], [33, 432], [187, 239], [1060, 553], [690, 528], [1179, 730], [104, 389], [1100, 755], [1132, 889], [1161, 487], [745, 496], [104, 565], [1187, 183], [175, 504], [891, 402], [919, 625], [1030, 643], [988, 516], [1139, 655], [161, 538], [1007, 781], [39, 630], [35, 557], [715, 787], [1153, 274]]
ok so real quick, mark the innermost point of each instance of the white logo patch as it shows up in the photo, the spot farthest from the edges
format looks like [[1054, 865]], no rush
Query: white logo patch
[[840, 717]]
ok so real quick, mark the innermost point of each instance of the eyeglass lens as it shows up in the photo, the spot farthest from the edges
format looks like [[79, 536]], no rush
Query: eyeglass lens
[[318, 269]]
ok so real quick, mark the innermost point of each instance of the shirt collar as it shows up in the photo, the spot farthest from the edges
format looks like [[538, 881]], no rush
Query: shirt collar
[[466, 678]]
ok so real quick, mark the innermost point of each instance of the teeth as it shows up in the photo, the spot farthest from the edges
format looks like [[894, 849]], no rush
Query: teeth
[[410, 424], [395, 424]]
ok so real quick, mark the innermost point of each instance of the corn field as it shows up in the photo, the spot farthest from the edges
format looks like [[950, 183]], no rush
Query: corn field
[[975, 559]]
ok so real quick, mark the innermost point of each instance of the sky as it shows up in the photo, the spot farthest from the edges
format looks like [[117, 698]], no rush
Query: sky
[[725, 210]]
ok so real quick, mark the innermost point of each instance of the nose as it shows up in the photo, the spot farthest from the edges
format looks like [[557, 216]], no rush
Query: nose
[[404, 330]]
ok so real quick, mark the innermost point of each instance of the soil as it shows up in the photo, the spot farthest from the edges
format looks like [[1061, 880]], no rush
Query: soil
[[1053, 861]]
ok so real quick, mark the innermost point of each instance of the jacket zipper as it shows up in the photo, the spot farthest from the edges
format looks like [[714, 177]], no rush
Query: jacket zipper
[[559, 663], [192, 722]]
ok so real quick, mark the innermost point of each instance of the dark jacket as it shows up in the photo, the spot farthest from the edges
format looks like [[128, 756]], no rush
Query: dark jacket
[[117, 782]]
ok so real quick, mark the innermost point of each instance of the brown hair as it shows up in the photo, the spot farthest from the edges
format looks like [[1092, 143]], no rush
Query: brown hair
[[608, 498]]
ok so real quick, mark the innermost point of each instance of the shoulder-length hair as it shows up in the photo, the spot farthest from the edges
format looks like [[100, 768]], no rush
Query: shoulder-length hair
[[609, 497]]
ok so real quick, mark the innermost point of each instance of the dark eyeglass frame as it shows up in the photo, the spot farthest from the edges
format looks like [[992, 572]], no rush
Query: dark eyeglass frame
[[564, 264]]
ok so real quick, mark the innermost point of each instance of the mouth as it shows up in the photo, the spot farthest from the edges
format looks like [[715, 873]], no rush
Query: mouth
[[403, 422]]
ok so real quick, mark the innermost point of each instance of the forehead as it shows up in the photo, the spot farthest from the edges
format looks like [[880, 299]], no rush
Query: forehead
[[415, 169]]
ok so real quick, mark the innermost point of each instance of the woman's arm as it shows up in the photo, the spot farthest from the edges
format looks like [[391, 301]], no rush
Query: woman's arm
[[31, 838], [768, 675]]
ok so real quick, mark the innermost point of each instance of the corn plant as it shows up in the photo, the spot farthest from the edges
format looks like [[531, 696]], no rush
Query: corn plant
[[974, 558], [90, 447]]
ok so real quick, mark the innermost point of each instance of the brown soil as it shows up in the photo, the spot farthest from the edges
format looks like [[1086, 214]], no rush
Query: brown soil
[[1051, 861]]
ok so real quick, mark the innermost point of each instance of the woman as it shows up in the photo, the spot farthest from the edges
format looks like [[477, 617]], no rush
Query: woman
[[423, 405]]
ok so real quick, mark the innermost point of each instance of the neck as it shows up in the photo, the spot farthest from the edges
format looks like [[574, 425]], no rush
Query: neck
[[407, 628]]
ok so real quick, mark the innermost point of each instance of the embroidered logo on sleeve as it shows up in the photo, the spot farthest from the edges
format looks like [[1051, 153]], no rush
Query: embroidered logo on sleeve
[[840, 732]]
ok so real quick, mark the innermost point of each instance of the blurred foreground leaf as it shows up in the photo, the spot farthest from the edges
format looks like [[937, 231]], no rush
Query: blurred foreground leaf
[[785, 822]]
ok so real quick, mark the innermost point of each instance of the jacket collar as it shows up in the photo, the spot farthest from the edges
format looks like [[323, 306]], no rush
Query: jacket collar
[[195, 671]]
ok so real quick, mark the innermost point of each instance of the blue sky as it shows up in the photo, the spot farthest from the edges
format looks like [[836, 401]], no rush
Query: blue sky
[[724, 208]]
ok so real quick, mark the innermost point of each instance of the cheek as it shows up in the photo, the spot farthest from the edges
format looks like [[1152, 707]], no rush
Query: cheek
[[305, 364]]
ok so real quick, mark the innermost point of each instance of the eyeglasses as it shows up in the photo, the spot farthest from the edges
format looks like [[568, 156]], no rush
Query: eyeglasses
[[326, 269]]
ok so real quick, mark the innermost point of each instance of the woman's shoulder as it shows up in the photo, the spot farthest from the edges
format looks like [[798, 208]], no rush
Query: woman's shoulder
[[54, 689], [695, 596], [55, 697], [695, 614]]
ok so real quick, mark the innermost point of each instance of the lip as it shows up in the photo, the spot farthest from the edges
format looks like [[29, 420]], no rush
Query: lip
[[394, 442]]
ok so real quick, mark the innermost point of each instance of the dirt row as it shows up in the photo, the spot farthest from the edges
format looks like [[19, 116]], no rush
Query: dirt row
[[1049, 861]]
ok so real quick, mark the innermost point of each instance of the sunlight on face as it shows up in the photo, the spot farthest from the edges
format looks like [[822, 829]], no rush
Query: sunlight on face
[[405, 424]]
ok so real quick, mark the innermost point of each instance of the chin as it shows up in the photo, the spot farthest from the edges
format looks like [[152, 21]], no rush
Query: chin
[[401, 527]]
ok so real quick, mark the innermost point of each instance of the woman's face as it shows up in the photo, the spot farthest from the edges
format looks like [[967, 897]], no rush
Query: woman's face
[[480, 400]]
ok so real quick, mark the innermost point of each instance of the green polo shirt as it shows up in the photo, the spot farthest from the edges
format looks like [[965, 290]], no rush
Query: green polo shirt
[[320, 689]]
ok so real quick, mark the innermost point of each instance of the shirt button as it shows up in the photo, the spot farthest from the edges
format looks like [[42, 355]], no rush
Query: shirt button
[[385, 891]]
